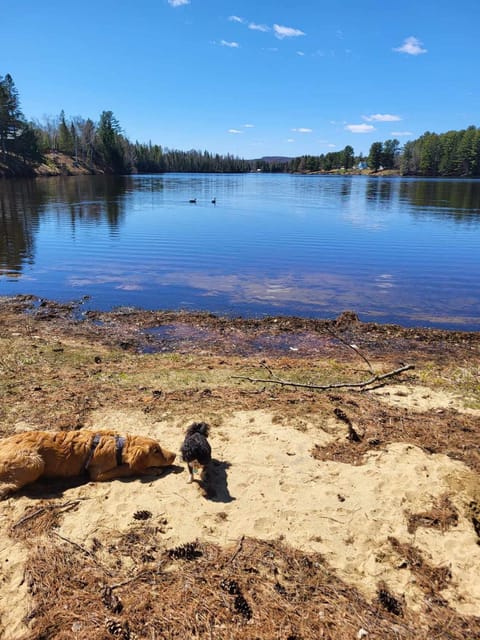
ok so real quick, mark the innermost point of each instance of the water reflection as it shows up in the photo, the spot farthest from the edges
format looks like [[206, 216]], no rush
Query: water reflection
[[92, 198], [381, 191], [79, 200], [20, 204], [304, 245], [458, 199]]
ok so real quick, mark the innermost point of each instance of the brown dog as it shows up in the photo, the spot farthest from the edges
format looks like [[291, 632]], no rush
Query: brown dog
[[25, 457]]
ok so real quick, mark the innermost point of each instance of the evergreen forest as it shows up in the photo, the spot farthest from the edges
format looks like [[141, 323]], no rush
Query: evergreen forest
[[102, 147]]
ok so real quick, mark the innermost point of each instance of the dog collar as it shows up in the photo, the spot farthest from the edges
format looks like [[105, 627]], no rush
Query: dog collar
[[119, 444]]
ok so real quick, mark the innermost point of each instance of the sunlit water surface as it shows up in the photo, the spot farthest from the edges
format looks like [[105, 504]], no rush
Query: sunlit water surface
[[393, 250]]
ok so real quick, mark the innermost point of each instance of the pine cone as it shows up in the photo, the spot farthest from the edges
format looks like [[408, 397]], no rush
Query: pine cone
[[242, 606], [187, 551], [230, 586], [142, 514]]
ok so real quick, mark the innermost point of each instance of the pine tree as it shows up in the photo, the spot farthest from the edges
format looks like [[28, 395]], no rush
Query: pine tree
[[10, 114], [375, 156], [65, 141], [108, 134]]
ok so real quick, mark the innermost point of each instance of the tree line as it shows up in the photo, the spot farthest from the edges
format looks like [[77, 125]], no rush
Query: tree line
[[102, 146]]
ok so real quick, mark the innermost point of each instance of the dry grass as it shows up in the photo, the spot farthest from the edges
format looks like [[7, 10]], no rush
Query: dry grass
[[249, 591], [54, 372], [441, 516], [445, 431]]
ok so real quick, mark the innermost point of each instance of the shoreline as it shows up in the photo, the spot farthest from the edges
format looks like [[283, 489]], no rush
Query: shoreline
[[57, 164], [365, 489]]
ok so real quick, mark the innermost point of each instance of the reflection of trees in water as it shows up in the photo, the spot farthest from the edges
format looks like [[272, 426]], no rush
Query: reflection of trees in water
[[89, 198], [20, 203], [456, 199], [379, 190], [97, 199]]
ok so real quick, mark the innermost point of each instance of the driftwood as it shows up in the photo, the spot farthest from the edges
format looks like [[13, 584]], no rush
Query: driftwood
[[335, 385]]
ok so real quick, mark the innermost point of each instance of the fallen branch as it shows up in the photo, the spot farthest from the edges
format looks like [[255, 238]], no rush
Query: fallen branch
[[352, 434], [238, 549], [353, 347], [66, 506], [336, 385], [83, 550]]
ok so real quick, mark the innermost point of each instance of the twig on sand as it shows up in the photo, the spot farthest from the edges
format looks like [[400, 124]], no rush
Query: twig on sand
[[66, 506], [353, 436], [139, 575], [83, 550], [238, 549], [336, 385]]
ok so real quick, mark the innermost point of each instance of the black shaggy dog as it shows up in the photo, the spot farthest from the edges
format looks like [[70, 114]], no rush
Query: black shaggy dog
[[196, 450]]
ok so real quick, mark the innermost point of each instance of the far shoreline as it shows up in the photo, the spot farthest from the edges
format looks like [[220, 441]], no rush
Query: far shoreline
[[58, 164]]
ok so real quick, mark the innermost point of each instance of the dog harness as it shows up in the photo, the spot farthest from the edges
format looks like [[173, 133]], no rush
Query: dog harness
[[119, 444], [93, 446]]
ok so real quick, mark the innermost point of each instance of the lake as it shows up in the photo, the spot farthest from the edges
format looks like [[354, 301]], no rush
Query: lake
[[391, 249]]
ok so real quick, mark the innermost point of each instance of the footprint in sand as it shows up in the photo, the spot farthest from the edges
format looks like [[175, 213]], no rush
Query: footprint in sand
[[262, 525]]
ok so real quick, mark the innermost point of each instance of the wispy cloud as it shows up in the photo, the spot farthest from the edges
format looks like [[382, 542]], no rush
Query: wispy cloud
[[300, 53], [235, 131], [235, 19], [226, 43], [178, 3], [360, 128], [290, 140], [399, 134], [286, 32], [249, 126], [382, 117], [412, 46], [303, 130], [258, 27]]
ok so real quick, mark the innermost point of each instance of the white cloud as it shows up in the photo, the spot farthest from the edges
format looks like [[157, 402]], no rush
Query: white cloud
[[249, 126], [286, 32], [258, 27], [303, 130], [290, 140], [178, 3], [381, 117], [401, 133], [232, 45], [332, 146], [234, 18], [360, 128], [300, 53], [235, 131], [412, 46]]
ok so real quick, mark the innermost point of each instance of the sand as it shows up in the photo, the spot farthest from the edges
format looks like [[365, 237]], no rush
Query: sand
[[266, 484]]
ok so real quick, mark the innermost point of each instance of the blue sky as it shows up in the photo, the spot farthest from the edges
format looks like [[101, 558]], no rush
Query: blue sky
[[249, 78]]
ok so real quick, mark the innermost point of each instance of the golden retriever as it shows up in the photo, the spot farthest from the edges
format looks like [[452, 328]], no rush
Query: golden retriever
[[102, 455]]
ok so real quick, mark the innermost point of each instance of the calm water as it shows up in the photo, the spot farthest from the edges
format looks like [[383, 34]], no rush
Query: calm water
[[393, 250]]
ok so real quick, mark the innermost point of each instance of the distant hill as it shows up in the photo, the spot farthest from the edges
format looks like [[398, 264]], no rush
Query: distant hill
[[275, 159]]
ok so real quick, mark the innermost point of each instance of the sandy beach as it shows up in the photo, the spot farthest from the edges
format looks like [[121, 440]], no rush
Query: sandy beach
[[395, 512]]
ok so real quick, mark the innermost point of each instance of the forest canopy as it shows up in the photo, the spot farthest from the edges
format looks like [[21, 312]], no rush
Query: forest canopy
[[102, 147]]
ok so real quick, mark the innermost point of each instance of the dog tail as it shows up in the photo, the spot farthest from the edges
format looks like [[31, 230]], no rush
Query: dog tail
[[198, 427]]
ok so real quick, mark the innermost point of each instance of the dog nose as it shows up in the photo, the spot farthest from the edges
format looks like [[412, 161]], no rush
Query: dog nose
[[171, 457]]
